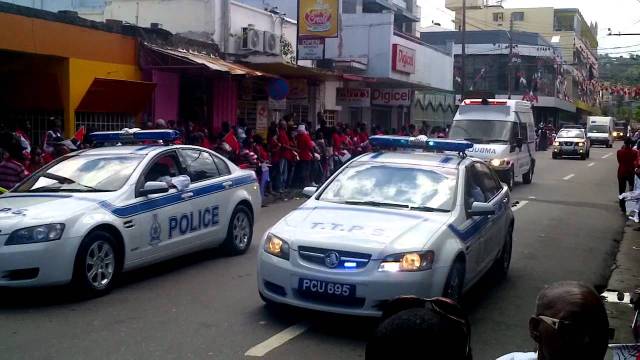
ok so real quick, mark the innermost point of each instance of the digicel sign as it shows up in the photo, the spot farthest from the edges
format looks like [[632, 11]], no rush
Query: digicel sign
[[403, 59], [391, 97]]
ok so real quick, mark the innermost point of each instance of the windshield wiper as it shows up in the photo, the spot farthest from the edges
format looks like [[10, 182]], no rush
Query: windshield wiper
[[427, 209], [66, 181], [58, 178], [375, 203], [497, 140], [474, 140]]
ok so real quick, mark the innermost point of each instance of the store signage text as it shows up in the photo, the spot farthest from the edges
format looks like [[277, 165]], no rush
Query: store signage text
[[355, 97], [391, 97], [318, 18], [403, 59], [310, 49]]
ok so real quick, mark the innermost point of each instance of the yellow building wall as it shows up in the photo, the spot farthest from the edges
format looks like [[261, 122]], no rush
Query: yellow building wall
[[81, 75], [538, 20]]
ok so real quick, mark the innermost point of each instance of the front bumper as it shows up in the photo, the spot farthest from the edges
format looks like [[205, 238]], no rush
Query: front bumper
[[599, 141], [569, 150], [278, 281], [40, 264]]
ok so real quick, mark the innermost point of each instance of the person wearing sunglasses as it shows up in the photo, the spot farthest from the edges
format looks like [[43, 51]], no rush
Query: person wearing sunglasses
[[434, 328], [570, 323]]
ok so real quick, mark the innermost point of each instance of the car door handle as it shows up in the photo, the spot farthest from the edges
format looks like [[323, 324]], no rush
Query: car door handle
[[226, 184], [187, 195]]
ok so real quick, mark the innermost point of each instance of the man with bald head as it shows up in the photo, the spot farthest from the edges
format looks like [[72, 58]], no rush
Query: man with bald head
[[570, 323]]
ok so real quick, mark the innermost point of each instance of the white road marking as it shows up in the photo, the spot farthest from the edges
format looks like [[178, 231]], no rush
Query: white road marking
[[277, 340], [606, 156], [520, 205], [532, 197], [568, 177], [591, 164]]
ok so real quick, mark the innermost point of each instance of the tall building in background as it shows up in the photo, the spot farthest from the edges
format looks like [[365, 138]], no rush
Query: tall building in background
[[564, 28]]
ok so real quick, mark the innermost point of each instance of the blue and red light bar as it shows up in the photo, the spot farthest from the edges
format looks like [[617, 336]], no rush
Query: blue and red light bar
[[420, 142], [133, 135]]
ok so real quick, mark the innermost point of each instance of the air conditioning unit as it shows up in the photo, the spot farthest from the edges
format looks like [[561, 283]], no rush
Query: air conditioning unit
[[252, 39], [271, 43]]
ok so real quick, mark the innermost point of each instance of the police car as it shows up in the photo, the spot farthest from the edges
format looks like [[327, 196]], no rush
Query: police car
[[92, 214], [390, 224]]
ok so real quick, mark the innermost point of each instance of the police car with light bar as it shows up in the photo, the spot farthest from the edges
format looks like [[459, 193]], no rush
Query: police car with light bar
[[95, 213], [395, 222]]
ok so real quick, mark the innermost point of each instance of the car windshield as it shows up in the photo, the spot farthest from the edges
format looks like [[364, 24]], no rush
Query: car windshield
[[599, 129], [83, 174], [481, 131], [394, 186], [570, 134]]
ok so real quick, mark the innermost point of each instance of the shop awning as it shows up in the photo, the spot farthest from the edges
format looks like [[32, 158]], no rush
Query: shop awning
[[116, 96], [210, 62], [292, 71]]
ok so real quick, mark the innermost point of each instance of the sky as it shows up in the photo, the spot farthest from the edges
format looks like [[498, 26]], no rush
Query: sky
[[623, 17]]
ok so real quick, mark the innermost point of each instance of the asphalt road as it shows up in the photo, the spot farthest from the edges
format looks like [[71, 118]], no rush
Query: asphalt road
[[205, 306]]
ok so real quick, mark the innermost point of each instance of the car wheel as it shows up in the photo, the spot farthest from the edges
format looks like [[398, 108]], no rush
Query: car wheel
[[583, 157], [240, 231], [455, 282], [511, 179], [554, 156], [503, 262], [528, 176], [96, 265]]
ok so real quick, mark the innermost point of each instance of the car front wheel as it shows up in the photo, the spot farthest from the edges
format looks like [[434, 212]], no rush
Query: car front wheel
[[455, 282], [503, 262], [96, 265], [240, 231]]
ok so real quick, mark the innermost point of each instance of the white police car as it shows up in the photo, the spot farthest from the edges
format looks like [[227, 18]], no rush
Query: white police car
[[95, 213], [389, 224]]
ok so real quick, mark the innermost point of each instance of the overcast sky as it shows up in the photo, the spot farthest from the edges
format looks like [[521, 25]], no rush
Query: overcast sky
[[623, 17]]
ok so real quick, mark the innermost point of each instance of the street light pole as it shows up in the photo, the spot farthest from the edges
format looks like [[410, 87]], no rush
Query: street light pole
[[510, 60], [463, 73]]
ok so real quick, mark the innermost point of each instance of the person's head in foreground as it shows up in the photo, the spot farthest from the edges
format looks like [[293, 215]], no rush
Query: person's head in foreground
[[422, 329], [570, 323]]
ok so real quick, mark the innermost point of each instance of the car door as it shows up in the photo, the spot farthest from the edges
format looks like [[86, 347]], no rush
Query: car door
[[516, 152], [525, 120], [497, 196], [473, 228], [209, 190], [151, 214]]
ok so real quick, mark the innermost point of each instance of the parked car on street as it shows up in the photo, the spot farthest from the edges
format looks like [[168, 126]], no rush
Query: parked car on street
[[95, 213], [389, 224]]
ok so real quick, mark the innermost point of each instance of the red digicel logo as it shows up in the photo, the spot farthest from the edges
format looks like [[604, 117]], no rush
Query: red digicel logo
[[404, 59]]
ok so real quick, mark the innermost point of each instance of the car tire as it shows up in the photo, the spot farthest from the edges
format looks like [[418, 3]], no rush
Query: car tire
[[503, 262], [554, 156], [511, 179], [239, 232], [454, 285], [527, 177], [609, 146], [97, 265]]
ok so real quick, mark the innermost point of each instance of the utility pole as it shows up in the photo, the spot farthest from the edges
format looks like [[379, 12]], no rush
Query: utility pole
[[510, 59], [463, 72]]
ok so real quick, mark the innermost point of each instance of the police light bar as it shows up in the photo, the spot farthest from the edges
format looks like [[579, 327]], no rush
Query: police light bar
[[420, 142], [133, 135], [484, 102]]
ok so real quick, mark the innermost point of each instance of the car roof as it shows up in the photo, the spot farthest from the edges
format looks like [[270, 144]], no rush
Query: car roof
[[126, 149], [409, 157]]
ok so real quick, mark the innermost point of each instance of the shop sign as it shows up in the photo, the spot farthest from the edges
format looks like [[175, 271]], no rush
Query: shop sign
[[354, 97], [298, 89], [318, 18], [262, 117], [277, 104], [403, 59], [391, 97], [310, 49]]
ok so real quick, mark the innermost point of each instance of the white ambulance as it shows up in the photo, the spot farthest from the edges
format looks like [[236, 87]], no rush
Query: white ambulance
[[503, 134]]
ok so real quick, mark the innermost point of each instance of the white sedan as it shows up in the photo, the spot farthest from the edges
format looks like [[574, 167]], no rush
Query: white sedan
[[390, 224], [92, 214]]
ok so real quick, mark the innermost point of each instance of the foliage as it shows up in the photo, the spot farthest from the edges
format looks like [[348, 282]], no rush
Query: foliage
[[287, 50], [620, 70]]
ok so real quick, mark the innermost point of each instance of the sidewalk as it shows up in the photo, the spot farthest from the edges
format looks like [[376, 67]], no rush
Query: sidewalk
[[625, 278]]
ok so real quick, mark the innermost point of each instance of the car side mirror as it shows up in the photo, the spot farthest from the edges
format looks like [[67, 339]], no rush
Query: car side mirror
[[154, 187], [309, 191], [481, 209]]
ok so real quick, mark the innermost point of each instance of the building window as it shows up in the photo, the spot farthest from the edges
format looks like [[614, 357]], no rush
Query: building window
[[498, 17], [330, 116], [517, 16]]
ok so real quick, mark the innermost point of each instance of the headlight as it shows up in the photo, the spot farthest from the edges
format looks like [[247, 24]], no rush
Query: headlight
[[413, 261], [556, 143], [35, 234], [500, 162], [276, 246], [581, 144]]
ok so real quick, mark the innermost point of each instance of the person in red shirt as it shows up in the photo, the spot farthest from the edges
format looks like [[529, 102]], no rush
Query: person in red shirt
[[305, 151], [286, 153], [627, 161]]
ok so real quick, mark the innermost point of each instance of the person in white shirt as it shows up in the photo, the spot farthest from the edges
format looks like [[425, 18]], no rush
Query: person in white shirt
[[570, 323]]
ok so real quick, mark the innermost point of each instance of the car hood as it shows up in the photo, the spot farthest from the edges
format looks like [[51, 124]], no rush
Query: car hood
[[598, 135], [22, 209], [373, 230], [568, 139], [489, 151]]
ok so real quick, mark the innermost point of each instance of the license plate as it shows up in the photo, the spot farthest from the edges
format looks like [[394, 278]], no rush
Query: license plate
[[326, 288]]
